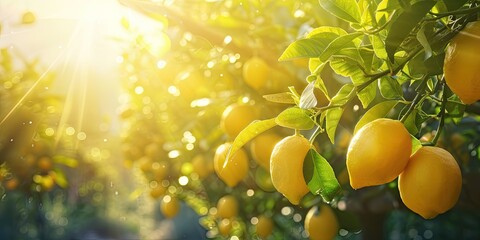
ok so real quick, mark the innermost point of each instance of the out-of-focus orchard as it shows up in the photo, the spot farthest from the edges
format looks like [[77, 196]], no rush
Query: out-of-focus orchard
[[245, 119]]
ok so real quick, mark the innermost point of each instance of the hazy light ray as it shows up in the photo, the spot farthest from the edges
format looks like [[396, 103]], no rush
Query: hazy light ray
[[20, 101]]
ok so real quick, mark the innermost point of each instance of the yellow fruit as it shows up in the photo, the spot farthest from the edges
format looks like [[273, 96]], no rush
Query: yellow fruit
[[11, 184], [157, 191], [262, 146], [462, 64], [202, 166], [225, 227], [264, 227], [431, 182], [286, 167], [47, 183], [236, 117], [227, 207], [28, 17], [256, 72], [236, 168], [169, 206], [45, 164], [378, 153], [321, 225]]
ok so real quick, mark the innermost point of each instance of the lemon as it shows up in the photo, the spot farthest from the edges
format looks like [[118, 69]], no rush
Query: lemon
[[378, 153], [264, 227], [227, 207], [262, 146], [286, 167], [169, 206], [236, 117], [431, 182], [321, 225], [236, 168], [462, 64], [256, 72]]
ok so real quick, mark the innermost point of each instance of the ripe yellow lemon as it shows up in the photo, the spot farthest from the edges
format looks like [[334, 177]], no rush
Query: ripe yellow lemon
[[169, 206], [236, 117], [225, 226], [227, 207], [378, 153], [236, 168], [262, 146], [256, 72], [264, 227], [286, 167], [202, 166], [321, 225], [28, 17], [431, 182], [462, 64]]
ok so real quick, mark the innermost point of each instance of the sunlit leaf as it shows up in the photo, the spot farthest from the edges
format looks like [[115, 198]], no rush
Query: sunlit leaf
[[67, 161], [422, 38], [342, 95], [416, 144], [320, 176], [248, 133], [411, 122], [308, 99], [308, 47], [326, 33], [337, 44], [390, 88], [60, 178], [347, 10], [367, 95], [378, 111], [378, 46], [403, 25], [333, 116], [295, 118], [285, 98]]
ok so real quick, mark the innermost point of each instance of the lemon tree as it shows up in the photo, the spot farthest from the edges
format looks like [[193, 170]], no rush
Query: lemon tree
[[372, 71]]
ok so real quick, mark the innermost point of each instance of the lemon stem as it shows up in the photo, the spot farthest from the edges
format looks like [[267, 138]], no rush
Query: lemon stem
[[442, 115], [417, 98]]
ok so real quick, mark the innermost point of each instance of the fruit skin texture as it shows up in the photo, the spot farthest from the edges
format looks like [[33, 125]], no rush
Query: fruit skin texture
[[264, 227], [321, 225], [255, 72], [236, 168], [227, 207], [262, 147], [236, 117], [378, 153], [431, 182], [169, 206], [286, 167], [462, 64]]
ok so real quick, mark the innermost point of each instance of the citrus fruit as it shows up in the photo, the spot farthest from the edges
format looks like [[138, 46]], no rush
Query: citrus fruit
[[202, 166], [45, 164], [431, 182], [236, 117], [462, 64], [264, 227], [157, 191], [262, 146], [321, 225], [286, 167], [255, 72], [225, 226], [28, 17], [11, 184], [227, 207], [169, 206], [378, 153], [235, 169]]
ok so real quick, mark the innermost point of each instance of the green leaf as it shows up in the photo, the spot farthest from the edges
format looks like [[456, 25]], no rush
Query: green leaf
[[60, 178], [338, 44], [333, 116], [308, 99], [308, 47], [367, 95], [327, 33], [320, 176], [378, 47], [404, 24], [347, 10], [411, 122], [454, 4], [422, 38], [455, 108], [285, 98], [248, 133], [416, 144], [378, 111], [390, 88], [342, 95], [295, 118], [67, 161]]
